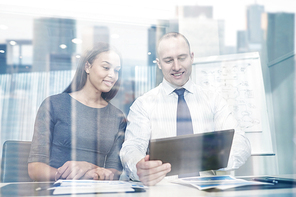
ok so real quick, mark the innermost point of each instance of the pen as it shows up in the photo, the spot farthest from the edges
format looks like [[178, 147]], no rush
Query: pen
[[42, 188], [38, 188], [266, 180], [56, 184]]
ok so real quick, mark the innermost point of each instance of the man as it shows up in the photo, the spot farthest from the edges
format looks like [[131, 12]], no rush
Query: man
[[153, 115]]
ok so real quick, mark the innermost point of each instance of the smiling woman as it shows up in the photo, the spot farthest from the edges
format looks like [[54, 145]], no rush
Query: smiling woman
[[78, 133], [102, 74], [98, 61]]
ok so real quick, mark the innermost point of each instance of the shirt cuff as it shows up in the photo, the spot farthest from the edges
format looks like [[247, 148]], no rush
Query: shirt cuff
[[130, 166]]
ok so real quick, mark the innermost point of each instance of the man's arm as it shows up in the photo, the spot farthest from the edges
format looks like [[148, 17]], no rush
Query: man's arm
[[152, 172], [133, 153], [137, 137], [240, 151], [224, 119]]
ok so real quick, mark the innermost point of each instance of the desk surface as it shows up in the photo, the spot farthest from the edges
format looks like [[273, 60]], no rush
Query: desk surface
[[165, 188]]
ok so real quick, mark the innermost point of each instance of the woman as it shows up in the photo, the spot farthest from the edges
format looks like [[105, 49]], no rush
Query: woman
[[78, 133]]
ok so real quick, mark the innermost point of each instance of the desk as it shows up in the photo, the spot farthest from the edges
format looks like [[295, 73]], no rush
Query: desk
[[165, 188]]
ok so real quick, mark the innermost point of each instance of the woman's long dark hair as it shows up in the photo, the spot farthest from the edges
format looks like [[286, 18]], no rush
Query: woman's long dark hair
[[80, 76]]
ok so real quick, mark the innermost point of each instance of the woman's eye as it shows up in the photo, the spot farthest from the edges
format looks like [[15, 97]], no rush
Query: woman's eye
[[106, 68]]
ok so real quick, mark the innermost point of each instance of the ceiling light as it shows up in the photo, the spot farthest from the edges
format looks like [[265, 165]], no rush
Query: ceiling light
[[63, 46], [76, 40], [12, 42]]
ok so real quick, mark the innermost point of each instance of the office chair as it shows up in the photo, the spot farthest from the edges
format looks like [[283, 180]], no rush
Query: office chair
[[14, 167]]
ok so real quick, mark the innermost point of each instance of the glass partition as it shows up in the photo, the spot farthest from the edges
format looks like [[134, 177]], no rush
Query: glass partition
[[42, 44]]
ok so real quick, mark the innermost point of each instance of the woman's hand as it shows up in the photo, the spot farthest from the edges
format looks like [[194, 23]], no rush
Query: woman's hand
[[99, 174], [73, 170]]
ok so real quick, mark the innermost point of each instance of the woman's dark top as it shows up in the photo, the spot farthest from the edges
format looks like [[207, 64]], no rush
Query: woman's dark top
[[67, 130]]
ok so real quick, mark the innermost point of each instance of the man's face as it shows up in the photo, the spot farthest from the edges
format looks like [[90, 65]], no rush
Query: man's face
[[175, 60]]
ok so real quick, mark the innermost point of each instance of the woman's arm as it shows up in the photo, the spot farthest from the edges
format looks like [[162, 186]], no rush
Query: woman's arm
[[99, 173], [39, 171], [113, 162], [74, 170], [38, 166], [115, 172]]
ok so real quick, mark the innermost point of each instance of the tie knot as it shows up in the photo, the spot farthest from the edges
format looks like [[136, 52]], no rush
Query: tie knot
[[180, 91]]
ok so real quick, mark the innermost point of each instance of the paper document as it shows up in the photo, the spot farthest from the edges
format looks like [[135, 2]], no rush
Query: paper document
[[94, 186], [217, 182]]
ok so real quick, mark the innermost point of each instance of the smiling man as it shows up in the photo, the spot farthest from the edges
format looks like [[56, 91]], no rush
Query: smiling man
[[175, 59], [157, 114]]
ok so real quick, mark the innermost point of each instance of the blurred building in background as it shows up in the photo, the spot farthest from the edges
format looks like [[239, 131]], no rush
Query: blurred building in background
[[250, 40], [206, 34], [92, 35], [52, 44], [278, 63]]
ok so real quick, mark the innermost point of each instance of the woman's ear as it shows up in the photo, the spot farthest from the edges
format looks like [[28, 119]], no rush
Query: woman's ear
[[87, 67]]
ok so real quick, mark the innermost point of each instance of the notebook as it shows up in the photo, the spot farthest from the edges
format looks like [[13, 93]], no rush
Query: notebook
[[193, 153]]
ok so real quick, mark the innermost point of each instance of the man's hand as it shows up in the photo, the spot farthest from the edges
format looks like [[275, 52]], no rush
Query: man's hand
[[152, 172], [99, 174], [73, 170]]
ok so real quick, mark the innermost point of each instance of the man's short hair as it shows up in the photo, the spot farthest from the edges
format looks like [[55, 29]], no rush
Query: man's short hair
[[170, 35]]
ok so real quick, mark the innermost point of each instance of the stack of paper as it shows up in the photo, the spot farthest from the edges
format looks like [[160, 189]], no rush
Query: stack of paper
[[217, 182], [94, 186]]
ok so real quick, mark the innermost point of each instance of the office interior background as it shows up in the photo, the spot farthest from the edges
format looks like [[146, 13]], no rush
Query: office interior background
[[41, 44]]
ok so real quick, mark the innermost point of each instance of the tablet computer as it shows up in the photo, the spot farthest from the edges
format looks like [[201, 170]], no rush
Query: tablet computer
[[193, 153]]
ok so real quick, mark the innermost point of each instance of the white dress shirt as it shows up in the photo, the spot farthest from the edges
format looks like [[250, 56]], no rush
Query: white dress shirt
[[153, 115]]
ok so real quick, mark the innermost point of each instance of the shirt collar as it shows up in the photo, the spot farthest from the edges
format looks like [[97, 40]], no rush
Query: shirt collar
[[169, 88]]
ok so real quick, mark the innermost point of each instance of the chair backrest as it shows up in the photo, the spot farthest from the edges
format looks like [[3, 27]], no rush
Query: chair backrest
[[14, 167]]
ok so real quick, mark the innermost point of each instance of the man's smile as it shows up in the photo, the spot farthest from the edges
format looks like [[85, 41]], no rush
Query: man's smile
[[179, 74]]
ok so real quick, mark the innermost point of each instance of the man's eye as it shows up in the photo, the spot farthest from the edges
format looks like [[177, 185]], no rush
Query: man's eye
[[168, 61], [182, 58]]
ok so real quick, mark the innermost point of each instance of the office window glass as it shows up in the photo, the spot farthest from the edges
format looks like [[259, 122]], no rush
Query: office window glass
[[41, 46]]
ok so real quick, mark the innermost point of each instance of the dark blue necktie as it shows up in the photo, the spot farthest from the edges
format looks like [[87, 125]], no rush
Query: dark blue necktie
[[184, 122]]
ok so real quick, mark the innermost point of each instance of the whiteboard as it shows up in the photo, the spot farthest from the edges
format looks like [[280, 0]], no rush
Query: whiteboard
[[239, 79]]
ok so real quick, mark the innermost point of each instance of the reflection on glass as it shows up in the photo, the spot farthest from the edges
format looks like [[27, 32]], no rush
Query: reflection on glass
[[39, 54]]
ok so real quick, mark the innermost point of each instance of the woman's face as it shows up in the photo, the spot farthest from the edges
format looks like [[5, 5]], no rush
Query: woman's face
[[103, 72]]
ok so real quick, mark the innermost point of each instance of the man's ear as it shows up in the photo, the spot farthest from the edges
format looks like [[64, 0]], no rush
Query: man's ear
[[158, 63], [192, 57], [87, 67]]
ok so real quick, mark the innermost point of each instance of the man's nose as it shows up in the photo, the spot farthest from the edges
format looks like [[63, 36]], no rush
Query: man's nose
[[176, 65]]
